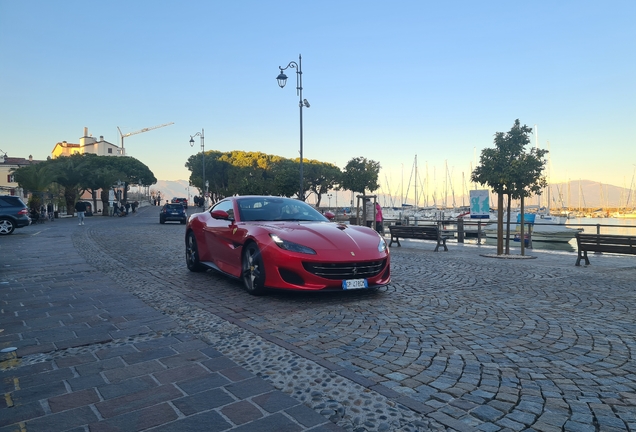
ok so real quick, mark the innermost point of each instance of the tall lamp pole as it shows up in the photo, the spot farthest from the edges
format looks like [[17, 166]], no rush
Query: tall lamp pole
[[282, 80], [203, 184]]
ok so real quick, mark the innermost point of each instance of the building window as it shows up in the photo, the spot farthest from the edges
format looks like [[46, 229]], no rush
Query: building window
[[110, 150], [10, 178]]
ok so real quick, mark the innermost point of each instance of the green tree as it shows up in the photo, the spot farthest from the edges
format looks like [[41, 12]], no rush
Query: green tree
[[102, 173], [511, 172], [70, 171], [322, 177], [36, 179], [134, 171], [528, 180], [286, 173], [360, 175]]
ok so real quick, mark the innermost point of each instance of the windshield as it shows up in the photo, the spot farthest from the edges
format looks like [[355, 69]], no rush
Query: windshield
[[277, 209]]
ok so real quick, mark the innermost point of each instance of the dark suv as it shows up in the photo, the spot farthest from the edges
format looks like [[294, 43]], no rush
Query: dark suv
[[183, 201], [173, 212], [13, 214]]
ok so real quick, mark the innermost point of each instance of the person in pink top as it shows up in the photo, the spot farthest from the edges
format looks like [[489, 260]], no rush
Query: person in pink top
[[378, 219]]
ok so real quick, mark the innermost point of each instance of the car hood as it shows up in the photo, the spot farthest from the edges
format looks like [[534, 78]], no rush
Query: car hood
[[327, 237]]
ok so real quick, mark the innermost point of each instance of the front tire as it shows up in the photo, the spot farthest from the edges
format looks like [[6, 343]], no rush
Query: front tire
[[192, 254], [6, 226], [253, 270]]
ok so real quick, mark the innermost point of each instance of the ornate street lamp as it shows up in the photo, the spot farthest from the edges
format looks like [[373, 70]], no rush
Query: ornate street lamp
[[282, 80], [204, 183]]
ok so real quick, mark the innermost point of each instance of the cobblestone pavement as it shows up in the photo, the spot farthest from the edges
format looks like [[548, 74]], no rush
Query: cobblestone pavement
[[458, 341]]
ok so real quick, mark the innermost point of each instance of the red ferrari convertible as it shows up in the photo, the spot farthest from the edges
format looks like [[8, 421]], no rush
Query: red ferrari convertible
[[274, 242]]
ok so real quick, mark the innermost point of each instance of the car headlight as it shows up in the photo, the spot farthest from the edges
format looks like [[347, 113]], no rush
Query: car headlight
[[291, 246], [382, 246]]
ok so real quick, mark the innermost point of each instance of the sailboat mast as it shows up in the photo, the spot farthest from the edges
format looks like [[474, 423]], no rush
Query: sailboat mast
[[415, 163], [549, 172], [402, 186], [536, 146]]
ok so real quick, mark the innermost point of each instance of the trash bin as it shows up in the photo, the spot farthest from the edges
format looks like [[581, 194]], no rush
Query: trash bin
[[56, 214]]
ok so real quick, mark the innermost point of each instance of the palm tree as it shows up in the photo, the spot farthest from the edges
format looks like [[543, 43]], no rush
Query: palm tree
[[36, 179]]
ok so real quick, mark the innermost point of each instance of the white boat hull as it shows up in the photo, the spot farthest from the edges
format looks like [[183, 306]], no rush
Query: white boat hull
[[545, 233]]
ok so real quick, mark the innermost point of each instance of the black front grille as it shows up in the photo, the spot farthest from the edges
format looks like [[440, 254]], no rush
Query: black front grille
[[341, 271]]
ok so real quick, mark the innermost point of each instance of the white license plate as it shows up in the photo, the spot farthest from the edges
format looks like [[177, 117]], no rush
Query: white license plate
[[354, 284]]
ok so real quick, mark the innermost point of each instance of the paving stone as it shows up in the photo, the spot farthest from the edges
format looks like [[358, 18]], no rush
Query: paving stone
[[249, 388], [63, 420], [183, 373], [34, 393], [73, 400], [207, 382], [242, 412], [137, 420], [18, 413], [203, 401], [274, 423], [209, 421], [135, 370], [275, 401], [487, 413], [148, 355], [126, 387], [134, 401]]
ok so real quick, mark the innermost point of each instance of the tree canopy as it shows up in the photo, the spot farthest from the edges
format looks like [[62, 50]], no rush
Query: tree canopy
[[254, 173], [361, 174], [509, 171], [78, 173]]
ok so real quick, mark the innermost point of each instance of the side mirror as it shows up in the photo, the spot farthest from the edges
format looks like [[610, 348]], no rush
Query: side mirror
[[220, 214], [329, 215]]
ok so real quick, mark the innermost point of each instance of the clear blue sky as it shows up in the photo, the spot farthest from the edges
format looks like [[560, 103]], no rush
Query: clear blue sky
[[386, 80]]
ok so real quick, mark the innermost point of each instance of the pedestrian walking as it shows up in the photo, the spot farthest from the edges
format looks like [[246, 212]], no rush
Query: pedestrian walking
[[49, 211], [368, 210], [379, 219], [80, 208]]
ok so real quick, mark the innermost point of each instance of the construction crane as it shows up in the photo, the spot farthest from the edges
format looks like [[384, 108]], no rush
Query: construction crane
[[138, 132]]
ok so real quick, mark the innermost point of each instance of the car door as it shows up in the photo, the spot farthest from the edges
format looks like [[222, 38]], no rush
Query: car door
[[222, 239]]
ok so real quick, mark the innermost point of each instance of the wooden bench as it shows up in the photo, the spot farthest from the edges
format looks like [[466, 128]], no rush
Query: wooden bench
[[422, 232], [619, 244]]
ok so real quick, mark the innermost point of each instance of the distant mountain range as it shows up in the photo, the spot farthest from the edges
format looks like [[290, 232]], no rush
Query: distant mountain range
[[174, 188], [589, 194], [574, 194]]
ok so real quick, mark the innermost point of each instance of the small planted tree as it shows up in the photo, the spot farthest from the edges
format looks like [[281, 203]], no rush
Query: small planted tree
[[509, 171], [360, 174]]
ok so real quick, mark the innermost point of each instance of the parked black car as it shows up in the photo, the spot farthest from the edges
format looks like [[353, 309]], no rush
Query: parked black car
[[173, 212], [13, 214]]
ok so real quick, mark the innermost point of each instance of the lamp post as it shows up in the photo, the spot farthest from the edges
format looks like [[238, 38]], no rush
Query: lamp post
[[282, 80], [203, 183], [329, 196]]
